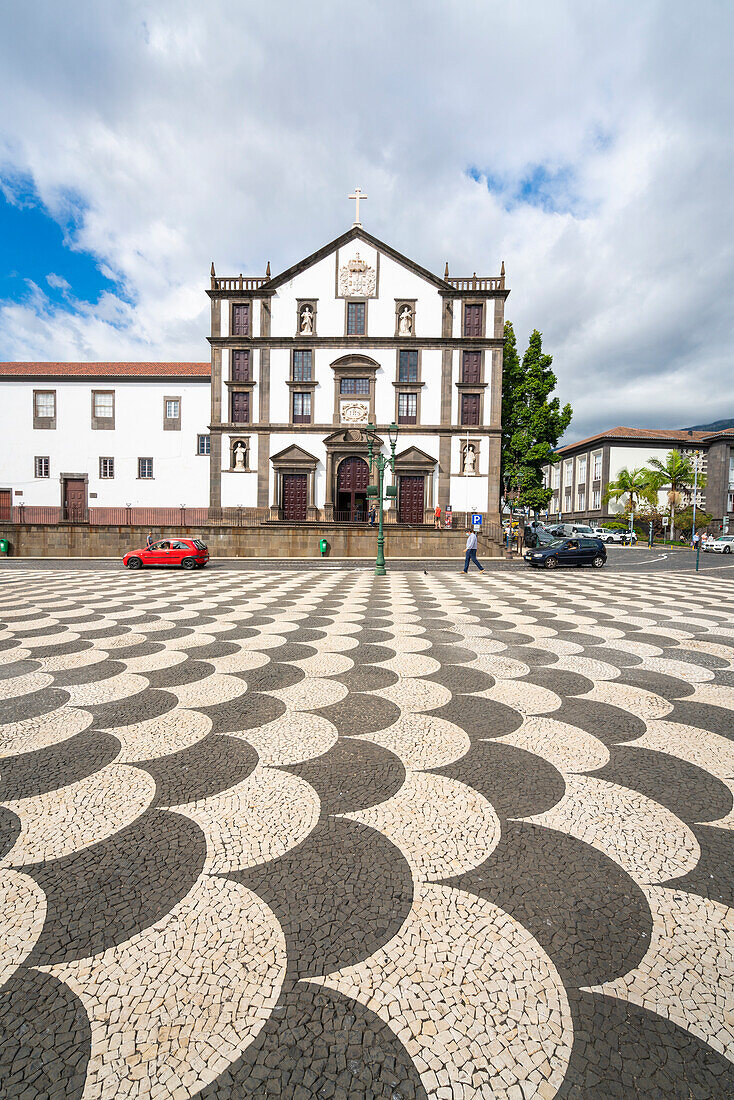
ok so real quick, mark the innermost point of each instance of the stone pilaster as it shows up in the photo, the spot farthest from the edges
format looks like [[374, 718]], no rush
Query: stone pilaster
[[444, 470]]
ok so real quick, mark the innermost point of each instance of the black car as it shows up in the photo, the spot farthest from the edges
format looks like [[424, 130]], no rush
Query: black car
[[569, 552], [537, 537]]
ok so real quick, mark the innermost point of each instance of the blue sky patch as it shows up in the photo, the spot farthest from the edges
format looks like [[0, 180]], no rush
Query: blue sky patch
[[34, 247], [554, 190]]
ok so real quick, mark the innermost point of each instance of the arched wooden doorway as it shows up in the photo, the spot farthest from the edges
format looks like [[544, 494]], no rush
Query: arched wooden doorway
[[352, 480]]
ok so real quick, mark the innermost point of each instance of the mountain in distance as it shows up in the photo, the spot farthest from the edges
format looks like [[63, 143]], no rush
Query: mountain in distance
[[716, 426]]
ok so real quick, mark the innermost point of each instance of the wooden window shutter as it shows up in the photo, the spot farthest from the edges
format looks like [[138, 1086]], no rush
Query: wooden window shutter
[[473, 320]]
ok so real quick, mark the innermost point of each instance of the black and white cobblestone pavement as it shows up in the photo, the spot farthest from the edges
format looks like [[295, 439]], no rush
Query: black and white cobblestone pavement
[[316, 834]]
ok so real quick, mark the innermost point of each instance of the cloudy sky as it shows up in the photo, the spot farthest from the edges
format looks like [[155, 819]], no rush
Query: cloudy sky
[[586, 144]]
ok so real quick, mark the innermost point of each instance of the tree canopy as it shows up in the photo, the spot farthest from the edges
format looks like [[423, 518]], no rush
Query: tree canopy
[[532, 420]]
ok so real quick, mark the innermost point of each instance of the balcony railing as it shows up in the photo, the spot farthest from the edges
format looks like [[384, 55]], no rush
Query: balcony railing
[[478, 282], [238, 283]]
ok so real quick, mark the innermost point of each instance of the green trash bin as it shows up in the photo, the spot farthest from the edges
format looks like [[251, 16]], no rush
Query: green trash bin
[[4, 546], [323, 546]]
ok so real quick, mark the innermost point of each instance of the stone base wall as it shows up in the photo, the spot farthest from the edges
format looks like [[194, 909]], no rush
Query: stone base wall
[[281, 541]]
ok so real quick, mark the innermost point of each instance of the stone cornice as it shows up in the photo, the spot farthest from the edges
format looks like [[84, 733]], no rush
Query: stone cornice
[[350, 343]]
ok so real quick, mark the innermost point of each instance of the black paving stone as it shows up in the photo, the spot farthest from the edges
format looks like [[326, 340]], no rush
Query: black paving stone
[[211, 765], [103, 895]]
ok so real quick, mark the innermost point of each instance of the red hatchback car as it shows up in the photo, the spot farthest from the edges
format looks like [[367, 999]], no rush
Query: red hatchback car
[[188, 553]]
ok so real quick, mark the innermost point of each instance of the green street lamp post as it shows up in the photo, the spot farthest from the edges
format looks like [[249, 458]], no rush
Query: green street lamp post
[[378, 490]]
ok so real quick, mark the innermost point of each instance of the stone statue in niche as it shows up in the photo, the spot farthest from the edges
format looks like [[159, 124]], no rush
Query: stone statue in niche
[[405, 322], [240, 454], [470, 459], [306, 321]]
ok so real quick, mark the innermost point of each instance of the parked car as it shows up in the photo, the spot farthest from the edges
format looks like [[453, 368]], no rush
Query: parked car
[[187, 553], [609, 534], [538, 536], [571, 530], [724, 544], [569, 552]]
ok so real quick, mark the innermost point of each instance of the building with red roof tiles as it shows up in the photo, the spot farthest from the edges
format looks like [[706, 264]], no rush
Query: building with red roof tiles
[[585, 469]]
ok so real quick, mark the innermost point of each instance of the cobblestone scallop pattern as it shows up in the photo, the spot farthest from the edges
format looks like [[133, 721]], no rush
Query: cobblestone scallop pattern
[[318, 834]]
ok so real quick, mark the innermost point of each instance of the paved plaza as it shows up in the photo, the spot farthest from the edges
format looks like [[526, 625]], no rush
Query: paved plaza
[[312, 833]]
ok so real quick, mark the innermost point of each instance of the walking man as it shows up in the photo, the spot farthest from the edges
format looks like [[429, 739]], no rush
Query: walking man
[[471, 552], [437, 517], [149, 540]]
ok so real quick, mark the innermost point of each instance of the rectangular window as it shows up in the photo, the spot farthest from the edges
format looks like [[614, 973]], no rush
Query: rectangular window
[[582, 499], [556, 477], [568, 473], [302, 408], [203, 444], [240, 366], [145, 468], [408, 366], [473, 320], [173, 408], [103, 404], [106, 468], [470, 408], [407, 408], [596, 498], [241, 319], [355, 318], [42, 466], [471, 366], [45, 403], [354, 385], [567, 505], [240, 408], [302, 363], [582, 469], [597, 467]]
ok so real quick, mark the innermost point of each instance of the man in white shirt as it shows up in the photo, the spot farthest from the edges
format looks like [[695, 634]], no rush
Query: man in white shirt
[[471, 552]]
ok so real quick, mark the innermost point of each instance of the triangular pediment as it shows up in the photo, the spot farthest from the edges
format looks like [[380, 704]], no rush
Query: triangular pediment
[[356, 233], [415, 458], [294, 456], [345, 435]]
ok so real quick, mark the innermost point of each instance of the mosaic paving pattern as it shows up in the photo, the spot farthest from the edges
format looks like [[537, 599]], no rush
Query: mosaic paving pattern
[[317, 834]]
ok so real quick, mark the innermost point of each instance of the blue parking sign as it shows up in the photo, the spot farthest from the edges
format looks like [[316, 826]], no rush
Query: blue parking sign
[[476, 519]]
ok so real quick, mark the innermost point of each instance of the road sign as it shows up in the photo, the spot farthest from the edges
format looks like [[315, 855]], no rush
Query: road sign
[[476, 519]]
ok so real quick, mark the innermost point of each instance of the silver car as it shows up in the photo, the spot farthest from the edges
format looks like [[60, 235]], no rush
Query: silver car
[[606, 534], [722, 545]]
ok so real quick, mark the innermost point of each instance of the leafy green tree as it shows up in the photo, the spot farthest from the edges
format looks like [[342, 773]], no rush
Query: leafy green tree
[[674, 474], [685, 521], [635, 485], [532, 420]]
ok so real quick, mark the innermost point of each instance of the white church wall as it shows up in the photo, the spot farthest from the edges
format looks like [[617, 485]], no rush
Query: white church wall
[[430, 400]]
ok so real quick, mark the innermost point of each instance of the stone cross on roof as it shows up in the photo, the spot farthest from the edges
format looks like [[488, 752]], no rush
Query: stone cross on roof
[[357, 195]]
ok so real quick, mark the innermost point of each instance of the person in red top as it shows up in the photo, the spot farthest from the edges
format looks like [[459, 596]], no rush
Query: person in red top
[[437, 517]]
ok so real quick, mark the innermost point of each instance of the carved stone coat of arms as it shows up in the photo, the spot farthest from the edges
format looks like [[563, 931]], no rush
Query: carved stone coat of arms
[[357, 279], [354, 412]]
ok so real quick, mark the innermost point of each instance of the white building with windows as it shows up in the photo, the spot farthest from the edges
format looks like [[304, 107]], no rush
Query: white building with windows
[[102, 436], [584, 470], [302, 362]]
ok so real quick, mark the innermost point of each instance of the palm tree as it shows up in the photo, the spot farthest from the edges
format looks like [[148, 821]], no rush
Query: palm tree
[[634, 484], [675, 473]]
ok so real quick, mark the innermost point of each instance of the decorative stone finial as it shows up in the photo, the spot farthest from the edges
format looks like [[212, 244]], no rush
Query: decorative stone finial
[[213, 273], [502, 269], [267, 270], [446, 270]]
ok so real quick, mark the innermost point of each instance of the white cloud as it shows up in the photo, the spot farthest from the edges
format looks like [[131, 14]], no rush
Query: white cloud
[[235, 132]]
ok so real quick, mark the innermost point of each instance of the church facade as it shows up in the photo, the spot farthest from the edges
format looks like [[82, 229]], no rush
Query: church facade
[[355, 335]]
